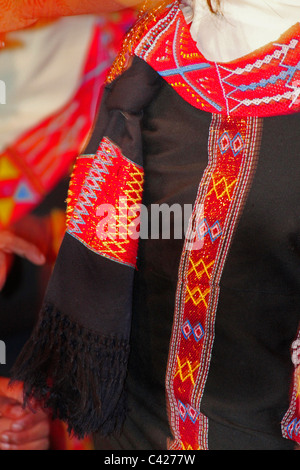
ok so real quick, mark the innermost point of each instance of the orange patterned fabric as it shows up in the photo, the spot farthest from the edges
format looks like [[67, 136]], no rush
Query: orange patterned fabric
[[18, 14]]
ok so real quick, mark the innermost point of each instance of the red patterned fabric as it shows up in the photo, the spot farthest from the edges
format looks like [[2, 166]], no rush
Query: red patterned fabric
[[104, 198], [35, 163]]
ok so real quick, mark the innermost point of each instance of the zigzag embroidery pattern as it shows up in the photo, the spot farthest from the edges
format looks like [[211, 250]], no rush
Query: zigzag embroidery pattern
[[250, 85], [105, 179], [285, 76], [103, 159]]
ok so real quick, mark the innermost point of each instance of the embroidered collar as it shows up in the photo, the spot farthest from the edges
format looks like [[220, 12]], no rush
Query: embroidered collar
[[263, 83], [240, 27]]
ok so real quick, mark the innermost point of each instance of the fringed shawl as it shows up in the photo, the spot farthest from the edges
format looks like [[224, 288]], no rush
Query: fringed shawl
[[76, 360]]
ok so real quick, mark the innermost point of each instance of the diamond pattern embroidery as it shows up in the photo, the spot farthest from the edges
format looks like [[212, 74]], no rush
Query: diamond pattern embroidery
[[197, 331], [187, 411], [204, 229]]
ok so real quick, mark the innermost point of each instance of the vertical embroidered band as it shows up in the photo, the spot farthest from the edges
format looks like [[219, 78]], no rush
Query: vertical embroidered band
[[291, 420], [233, 150]]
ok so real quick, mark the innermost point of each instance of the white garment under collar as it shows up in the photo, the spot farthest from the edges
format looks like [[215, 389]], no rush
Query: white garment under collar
[[243, 26]]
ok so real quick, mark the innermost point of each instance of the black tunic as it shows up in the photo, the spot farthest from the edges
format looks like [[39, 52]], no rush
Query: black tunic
[[247, 391]]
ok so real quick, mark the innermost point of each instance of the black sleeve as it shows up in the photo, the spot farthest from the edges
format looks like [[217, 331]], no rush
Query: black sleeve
[[76, 360]]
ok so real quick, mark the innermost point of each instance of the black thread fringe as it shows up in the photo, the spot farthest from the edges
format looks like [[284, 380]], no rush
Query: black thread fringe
[[76, 373]]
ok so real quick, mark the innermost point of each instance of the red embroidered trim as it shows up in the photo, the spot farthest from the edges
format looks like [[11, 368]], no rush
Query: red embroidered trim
[[103, 205], [264, 83], [233, 147], [291, 420]]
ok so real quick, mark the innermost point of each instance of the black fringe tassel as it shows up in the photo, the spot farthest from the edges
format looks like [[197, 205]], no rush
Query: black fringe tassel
[[76, 373]]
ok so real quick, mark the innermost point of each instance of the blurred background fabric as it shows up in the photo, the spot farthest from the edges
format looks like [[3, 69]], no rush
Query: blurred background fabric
[[53, 74]]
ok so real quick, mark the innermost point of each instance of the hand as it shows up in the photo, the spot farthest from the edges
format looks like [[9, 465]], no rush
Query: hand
[[12, 244], [21, 429]]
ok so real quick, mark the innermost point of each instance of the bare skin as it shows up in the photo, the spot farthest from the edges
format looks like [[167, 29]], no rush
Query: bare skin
[[21, 429], [29, 428], [11, 244], [29, 238]]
